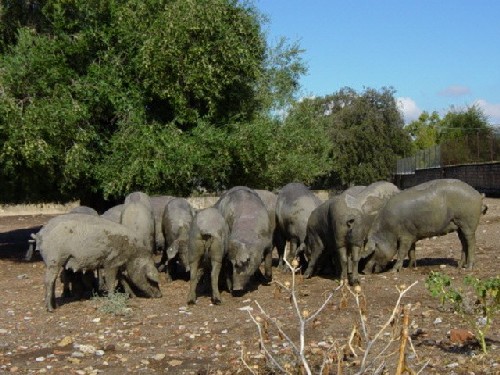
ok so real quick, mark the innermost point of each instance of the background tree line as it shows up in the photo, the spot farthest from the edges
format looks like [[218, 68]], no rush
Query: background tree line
[[102, 97]]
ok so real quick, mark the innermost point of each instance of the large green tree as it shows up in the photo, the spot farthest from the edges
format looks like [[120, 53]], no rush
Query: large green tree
[[430, 129], [460, 122], [424, 130], [366, 132], [108, 97]]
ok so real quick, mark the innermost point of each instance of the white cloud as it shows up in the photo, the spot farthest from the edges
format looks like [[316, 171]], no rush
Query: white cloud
[[491, 110], [455, 90], [409, 108]]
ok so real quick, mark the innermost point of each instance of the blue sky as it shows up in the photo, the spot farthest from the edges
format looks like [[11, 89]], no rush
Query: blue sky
[[435, 54]]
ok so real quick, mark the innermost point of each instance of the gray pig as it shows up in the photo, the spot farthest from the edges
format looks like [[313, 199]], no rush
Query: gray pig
[[294, 205], [433, 208], [269, 199], [207, 248], [86, 242], [158, 203], [320, 243], [75, 283], [76, 210], [139, 196], [84, 210], [177, 218], [352, 219], [114, 213], [139, 218], [250, 237]]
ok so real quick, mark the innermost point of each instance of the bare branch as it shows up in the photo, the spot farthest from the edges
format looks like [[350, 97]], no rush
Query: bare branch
[[370, 343], [263, 345]]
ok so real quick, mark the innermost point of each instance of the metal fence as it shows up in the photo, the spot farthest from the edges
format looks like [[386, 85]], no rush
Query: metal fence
[[480, 147]]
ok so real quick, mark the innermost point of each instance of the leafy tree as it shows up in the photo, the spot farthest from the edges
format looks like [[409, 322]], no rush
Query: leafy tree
[[108, 96], [424, 131], [280, 79], [268, 153], [460, 122], [201, 59], [465, 136], [163, 159], [366, 132]]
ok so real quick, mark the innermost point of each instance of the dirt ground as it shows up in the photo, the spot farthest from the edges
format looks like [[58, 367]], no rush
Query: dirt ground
[[165, 336]]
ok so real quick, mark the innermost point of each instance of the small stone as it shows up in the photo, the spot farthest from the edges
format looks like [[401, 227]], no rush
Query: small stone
[[224, 331], [442, 266], [65, 341], [87, 349], [40, 359], [246, 308], [99, 353], [438, 320], [3, 331], [22, 276], [462, 361], [159, 356], [175, 362], [77, 355], [74, 360], [96, 320]]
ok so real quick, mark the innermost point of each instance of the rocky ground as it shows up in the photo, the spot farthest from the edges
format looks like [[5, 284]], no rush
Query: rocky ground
[[165, 336]]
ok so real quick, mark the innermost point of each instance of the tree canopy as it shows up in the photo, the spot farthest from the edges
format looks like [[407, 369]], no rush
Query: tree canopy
[[430, 129], [366, 132], [106, 97], [112, 96]]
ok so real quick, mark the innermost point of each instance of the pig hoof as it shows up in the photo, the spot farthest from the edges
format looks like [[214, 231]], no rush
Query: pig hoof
[[160, 267], [216, 301], [191, 302], [354, 282]]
